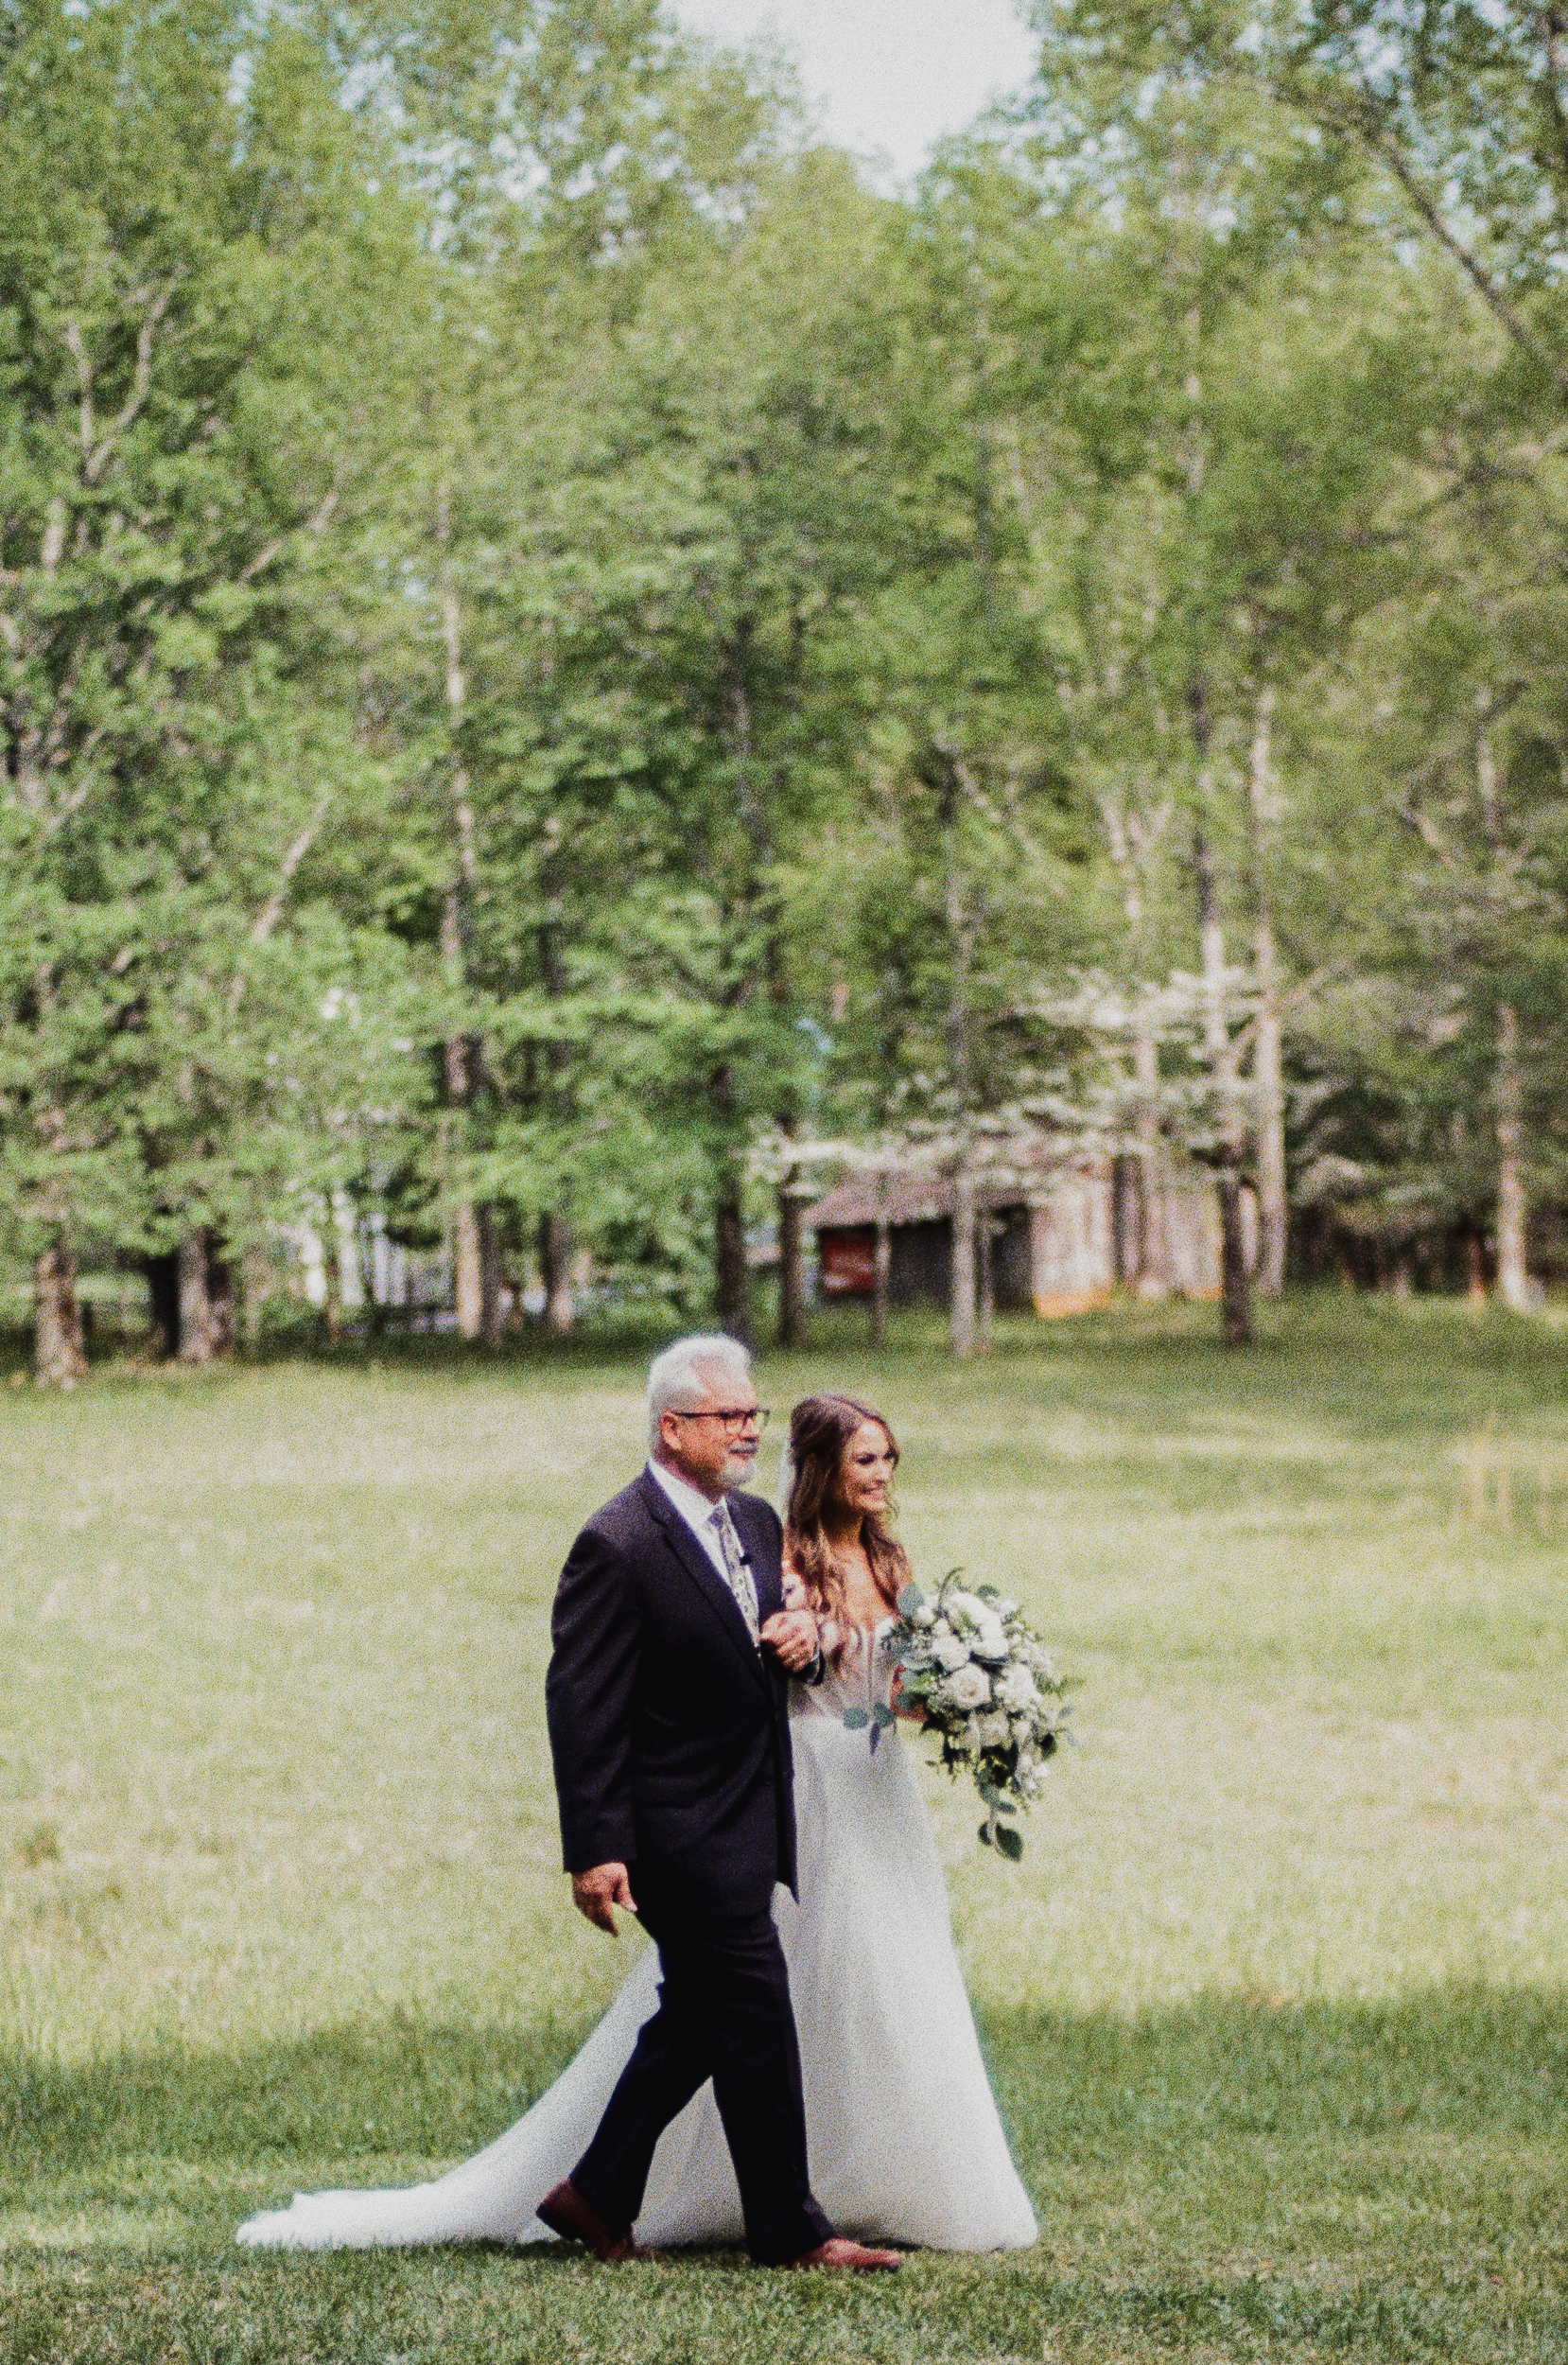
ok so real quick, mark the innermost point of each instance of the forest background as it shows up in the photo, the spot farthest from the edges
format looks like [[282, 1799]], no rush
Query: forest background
[[564, 664]]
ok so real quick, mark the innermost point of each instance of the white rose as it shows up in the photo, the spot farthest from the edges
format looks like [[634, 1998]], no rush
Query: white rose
[[924, 1616], [966, 1688], [993, 1730], [990, 1643], [1015, 1689], [950, 1654], [967, 1605], [1006, 1610]]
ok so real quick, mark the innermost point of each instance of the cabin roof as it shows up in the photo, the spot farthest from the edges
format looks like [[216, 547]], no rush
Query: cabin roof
[[918, 1194]]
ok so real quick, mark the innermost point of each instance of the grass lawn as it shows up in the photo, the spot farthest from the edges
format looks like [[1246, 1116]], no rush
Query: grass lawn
[[1275, 2003]]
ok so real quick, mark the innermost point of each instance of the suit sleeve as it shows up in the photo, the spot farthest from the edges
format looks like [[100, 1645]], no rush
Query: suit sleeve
[[596, 1645]]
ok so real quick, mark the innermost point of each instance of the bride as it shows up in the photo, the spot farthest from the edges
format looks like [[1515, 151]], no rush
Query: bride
[[904, 2138]]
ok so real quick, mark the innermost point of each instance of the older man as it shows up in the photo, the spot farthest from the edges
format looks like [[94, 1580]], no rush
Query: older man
[[667, 1699]]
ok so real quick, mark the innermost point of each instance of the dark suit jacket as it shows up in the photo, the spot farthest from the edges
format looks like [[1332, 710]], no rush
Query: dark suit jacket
[[668, 1728]]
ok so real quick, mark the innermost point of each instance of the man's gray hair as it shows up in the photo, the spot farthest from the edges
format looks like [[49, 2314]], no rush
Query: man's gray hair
[[676, 1381]]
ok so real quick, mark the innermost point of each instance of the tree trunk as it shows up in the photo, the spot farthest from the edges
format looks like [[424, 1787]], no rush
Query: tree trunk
[[1513, 1282], [985, 1248], [59, 1351], [1126, 1227], [163, 1289], [471, 1268], [881, 1270], [1221, 1055], [961, 945], [963, 1281], [555, 1254], [468, 1269], [207, 1298], [791, 1270], [1153, 1259], [1267, 1056], [1269, 1107], [492, 1278], [1475, 1270], [732, 1277]]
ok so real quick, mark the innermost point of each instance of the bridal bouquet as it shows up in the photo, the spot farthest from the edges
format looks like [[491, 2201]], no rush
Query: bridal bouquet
[[989, 1690]]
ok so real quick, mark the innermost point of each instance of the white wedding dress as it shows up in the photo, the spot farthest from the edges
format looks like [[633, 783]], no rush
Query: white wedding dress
[[904, 2140]]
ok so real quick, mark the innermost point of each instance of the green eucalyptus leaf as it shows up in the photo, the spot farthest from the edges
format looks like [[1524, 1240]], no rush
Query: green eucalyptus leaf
[[857, 1719], [1010, 1843]]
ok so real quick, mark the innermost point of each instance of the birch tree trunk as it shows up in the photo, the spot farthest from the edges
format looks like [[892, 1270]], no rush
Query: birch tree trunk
[[475, 1320], [960, 939], [1268, 1048], [962, 1310], [1513, 1282], [1132, 842], [1221, 1053]]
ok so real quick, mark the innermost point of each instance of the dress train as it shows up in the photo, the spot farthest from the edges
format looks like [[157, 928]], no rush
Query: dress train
[[904, 2139]]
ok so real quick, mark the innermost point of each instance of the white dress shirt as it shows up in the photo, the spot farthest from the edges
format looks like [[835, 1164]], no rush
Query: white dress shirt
[[696, 1509]]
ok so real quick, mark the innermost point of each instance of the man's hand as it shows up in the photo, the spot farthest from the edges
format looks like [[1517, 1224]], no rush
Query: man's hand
[[597, 1893], [792, 1634]]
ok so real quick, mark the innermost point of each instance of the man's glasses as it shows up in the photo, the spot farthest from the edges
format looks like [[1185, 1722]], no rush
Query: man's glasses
[[733, 1416]]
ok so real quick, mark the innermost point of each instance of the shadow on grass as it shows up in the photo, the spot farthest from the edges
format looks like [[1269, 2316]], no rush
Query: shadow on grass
[[1236, 2178], [1466, 2059]]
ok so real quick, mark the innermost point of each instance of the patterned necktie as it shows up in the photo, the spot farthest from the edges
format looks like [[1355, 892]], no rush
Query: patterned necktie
[[736, 1568]]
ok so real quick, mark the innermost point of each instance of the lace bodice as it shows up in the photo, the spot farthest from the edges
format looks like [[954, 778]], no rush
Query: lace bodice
[[861, 1677]]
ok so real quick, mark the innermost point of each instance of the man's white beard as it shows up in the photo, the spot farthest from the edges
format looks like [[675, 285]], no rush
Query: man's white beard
[[738, 1467]]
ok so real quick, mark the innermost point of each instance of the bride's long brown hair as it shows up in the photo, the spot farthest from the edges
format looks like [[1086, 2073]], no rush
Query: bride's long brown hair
[[821, 1429]]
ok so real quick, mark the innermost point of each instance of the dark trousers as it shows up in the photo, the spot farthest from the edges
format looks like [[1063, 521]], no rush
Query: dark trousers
[[724, 2013]]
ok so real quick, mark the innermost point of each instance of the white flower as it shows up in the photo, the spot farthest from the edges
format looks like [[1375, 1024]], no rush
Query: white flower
[[966, 1688], [948, 1653], [993, 1730], [1006, 1610], [1015, 1689], [924, 1616], [967, 1605], [961, 1741], [990, 1643]]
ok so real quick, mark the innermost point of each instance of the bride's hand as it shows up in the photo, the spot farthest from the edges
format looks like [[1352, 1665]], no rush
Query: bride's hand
[[792, 1636]]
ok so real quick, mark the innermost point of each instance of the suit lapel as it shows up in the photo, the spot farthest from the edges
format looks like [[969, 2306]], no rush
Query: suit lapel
[[701, 1570]]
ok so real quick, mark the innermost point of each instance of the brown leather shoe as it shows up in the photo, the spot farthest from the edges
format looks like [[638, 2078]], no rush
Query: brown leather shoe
[[567, 2213], [848, 2258]]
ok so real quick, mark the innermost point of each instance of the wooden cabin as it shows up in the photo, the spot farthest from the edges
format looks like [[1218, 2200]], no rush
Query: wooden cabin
[[1052, 1240]]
